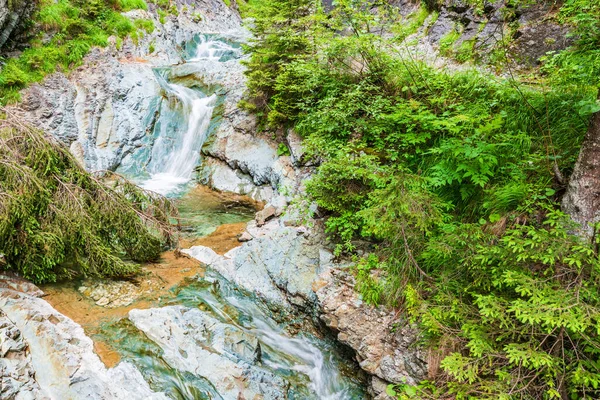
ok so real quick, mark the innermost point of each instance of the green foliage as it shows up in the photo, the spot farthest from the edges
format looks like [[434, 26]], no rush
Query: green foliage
[[452, 177], [128, 5], [411, 25], [283, 150], [527, 323], [144, 24], [580, 65], [448, 40], [74, 27], [57, 221]]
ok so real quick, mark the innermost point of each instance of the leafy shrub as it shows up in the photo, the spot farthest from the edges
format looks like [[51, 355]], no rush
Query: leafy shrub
[[456, 179]]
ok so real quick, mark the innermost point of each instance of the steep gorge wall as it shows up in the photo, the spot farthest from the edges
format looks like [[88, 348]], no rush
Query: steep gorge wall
[[14, 15], [495, 32]]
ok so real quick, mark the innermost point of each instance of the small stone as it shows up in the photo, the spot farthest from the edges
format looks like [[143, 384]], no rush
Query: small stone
[[265, 214], [245, 237], [302, 230], [204, 254], [103, 302]]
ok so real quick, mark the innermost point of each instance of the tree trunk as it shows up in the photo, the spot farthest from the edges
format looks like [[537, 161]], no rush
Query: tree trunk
[[582, 200]]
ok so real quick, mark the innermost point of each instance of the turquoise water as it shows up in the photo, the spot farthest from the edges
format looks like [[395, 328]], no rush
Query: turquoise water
[[313, 366], [185, 114]]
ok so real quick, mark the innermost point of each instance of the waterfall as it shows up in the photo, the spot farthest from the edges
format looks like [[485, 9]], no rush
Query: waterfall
[[174, 158], [184, 120]]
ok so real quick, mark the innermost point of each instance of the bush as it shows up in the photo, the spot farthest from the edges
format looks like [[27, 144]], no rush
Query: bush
[[455, 179], [57, 221]]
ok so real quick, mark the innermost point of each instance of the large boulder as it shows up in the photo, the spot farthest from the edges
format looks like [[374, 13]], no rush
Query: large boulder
[[223, 354], [279, 264], [47, 355]]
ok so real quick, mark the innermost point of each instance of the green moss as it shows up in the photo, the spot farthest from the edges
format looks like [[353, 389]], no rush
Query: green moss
[[127, 5], [466, 51], [145, 24], [162, 16]]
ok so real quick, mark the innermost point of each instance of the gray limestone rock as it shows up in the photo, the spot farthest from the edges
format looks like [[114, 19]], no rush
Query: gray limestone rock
[[12, 15], [279, 265], [385, 345], [225, 355], [105, 110], [51, 357]]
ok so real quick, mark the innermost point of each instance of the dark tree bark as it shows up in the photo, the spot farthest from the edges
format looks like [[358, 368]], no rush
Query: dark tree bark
[[582, 200]]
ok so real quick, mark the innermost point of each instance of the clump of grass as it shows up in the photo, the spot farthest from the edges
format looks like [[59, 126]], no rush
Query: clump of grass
[[411, 24], [74, 27], [145, 24], [128, 5], [447, 42]]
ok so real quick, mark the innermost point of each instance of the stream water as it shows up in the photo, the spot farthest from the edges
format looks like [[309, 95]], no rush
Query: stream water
[[313, 367]]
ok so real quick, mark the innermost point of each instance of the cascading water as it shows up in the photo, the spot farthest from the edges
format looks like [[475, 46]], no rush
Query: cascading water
[[184, 120], [312, 366], [174, 159]]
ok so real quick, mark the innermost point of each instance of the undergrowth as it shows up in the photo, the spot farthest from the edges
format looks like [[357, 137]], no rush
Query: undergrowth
[[58, 222], [455, 181]]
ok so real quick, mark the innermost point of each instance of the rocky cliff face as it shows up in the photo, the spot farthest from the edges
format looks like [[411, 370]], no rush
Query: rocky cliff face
[[105, 109], [13, 16], [516, 34], [386, 345]]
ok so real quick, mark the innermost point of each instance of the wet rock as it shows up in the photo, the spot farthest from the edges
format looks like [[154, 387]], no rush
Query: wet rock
[[385, 345], [223, 354], [487, 26], [378, 388], [51, 357], [114, 294], [442, 26], [536, 39], [220, 176], [279, 265], [13, 16], [252, 157], [296, 149]]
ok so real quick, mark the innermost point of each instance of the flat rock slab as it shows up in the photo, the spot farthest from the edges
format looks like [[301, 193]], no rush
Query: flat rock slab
[[223, 354]]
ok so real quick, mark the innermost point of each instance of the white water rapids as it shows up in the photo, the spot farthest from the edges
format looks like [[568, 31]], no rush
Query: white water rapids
[[288, 353]]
